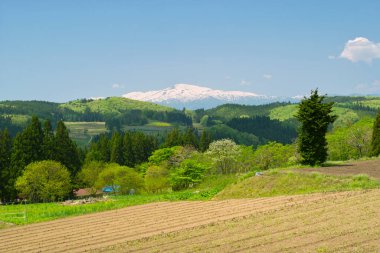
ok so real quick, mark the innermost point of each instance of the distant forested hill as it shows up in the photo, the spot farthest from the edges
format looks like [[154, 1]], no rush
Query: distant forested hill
[[114, 111], [250, 125]]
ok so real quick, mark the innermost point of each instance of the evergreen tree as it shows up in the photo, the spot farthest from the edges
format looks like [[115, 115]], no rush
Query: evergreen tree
[[128, 155], [48, 143], [375, 143], [27, 148], [138, 147], [104, 148], [5, 161], [190, 138], [66, 150], [204, 141], [315, 117], [117, 149], [173, 138]]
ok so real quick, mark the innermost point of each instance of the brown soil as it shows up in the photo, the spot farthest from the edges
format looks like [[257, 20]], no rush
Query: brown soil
[[338, 221], [370, 167]]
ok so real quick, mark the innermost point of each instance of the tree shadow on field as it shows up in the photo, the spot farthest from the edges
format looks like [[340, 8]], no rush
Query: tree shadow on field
[[336, 165]]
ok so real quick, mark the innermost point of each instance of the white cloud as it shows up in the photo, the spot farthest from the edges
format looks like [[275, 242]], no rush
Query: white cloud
[[373, 88], [267, 76], [245, 83], [117, 86], [361, 49]]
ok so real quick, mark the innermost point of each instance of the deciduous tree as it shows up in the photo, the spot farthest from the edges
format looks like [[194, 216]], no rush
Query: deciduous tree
[[44, 181]]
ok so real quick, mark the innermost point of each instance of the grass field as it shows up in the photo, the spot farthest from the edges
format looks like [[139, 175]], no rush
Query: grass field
[[49, 211]]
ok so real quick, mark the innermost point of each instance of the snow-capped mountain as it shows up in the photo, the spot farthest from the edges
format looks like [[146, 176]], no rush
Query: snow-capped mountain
[[195, 97]]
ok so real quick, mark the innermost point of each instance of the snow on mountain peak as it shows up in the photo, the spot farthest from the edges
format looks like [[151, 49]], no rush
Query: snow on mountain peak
[[188, 93]]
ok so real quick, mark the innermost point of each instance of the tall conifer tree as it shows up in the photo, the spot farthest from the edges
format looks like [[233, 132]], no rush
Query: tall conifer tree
[[48, 143], [375, 143], [5, 162], [117, 149], [66, 149], [315, 117]]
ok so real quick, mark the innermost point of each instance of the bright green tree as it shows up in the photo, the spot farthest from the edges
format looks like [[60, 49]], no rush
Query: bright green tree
[[315, 117], [89, 175], [156, 179], [187, 175], [273, 155], [375, 143], [121, 178], [44, 181]]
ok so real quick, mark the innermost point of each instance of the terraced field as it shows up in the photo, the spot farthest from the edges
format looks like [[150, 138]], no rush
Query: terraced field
[[337, 222]]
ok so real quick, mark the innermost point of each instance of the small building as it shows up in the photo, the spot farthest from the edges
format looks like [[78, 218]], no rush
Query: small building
[[87, 192]]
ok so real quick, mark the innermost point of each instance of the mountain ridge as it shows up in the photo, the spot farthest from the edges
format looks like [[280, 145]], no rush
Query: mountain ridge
[[196, 97]]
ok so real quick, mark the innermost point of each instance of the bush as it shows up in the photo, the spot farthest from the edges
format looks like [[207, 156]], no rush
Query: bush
[[273, 155], [156, 179], [44, 181]]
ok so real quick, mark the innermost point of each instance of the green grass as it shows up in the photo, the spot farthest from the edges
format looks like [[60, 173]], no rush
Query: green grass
[[50, 211], [276, 183], [159, 124]]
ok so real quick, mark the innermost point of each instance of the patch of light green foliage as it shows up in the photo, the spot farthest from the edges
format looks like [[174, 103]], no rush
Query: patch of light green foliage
[[350, 142], [283, 113], [373, 103], [112, 106], [278, 183], [345, 116], [20, 120], [159, 124]]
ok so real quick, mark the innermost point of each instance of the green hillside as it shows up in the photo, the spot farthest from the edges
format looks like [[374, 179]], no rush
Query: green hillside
[[112, 106]]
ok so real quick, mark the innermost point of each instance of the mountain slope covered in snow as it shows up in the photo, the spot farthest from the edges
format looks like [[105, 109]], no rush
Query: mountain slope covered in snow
[[194, 97]]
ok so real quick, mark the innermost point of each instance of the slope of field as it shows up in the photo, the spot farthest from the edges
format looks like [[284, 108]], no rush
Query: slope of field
[[318, 222], [370, 168]]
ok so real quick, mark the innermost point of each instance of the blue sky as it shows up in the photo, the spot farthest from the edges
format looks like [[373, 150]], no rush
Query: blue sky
[[64, 50]]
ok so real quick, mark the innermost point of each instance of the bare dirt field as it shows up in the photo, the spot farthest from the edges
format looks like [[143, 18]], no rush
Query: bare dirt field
[[331, 222], [370, 167]]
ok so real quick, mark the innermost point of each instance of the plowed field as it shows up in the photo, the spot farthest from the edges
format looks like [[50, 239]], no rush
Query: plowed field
[[318, 222], [370, 167]]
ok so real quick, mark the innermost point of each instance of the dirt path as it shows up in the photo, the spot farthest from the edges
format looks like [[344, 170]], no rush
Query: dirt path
[[370, 167], [152, 226]]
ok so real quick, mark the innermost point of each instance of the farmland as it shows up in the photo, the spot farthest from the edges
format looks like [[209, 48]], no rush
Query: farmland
[[82, 132], [286, 223]]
